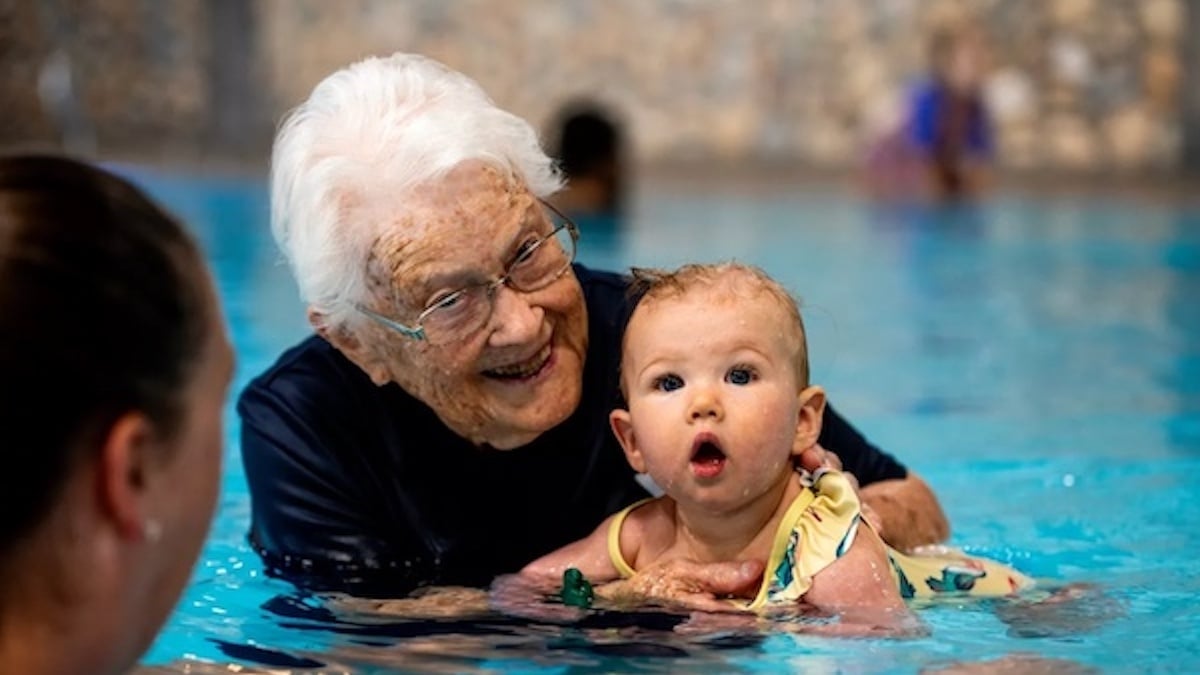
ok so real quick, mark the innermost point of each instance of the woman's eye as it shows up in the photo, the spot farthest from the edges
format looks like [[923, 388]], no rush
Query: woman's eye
[[740, 375], [668, 382], [448, 301], [526, 250]]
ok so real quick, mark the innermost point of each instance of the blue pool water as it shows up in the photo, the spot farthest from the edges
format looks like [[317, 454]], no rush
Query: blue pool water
[[1036, 360]]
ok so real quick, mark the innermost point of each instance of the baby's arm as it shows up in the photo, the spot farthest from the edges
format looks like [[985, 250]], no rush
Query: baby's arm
[[524, 594], [858, 586], [588, 555]]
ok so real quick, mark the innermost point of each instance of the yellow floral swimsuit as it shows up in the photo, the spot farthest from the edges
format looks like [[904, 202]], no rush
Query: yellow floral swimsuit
[[820, 526]]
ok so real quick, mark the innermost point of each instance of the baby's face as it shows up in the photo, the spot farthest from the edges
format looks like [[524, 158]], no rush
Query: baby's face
[[713, 396]]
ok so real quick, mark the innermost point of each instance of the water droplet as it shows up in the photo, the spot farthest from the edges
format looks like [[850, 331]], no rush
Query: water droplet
[[1068, 480]]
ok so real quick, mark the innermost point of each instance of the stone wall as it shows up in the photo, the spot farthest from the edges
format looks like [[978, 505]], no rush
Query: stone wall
[[104, 75], [1080, 85]]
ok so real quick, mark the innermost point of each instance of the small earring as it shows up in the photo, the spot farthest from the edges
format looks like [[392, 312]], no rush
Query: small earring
[[152, 530]]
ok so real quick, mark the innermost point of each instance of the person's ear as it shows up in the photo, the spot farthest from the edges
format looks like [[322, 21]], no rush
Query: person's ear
[[126, 463], [809, 418], [622, 426], [360, 353]]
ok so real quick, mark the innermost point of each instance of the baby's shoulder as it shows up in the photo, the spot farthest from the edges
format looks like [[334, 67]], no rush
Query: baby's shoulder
[[651, 516], [648, 527]]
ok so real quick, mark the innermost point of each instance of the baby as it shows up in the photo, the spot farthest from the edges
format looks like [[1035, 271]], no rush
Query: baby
[[715, 374]]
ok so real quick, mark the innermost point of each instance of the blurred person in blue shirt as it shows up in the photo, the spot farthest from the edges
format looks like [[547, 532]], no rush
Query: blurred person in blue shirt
[[943, 149]]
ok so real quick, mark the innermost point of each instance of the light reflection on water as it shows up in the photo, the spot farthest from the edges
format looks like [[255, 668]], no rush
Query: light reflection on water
[[1037, 361]]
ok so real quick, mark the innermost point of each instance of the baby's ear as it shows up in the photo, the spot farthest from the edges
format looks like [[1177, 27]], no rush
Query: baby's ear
[[809, 418], [622, 426]]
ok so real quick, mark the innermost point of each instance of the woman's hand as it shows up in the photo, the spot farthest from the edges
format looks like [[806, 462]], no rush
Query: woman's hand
[[816, 457], [525, 596], [903, 511], [435, 602], [687, 584]]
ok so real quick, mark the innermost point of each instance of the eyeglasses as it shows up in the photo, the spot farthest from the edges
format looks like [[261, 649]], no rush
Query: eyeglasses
[[540, 260]]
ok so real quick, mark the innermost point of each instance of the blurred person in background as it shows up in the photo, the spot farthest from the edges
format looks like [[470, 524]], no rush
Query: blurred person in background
[[448, 420], [943, 149], [589, 144], [115, 366]]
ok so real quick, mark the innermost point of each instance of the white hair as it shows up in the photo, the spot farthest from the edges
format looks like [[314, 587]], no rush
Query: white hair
[[374, 132]]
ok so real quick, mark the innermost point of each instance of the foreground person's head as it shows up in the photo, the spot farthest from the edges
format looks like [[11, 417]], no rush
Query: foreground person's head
[[715, 372], [114, 367], [397, 185]]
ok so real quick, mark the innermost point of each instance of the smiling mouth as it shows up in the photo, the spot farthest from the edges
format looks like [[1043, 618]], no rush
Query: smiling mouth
[[523, 370], [708, 459]]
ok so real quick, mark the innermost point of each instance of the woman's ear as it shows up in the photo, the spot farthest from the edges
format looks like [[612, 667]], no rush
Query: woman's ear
[[809, 418], [622, 426], [126, 462], [346, 342]]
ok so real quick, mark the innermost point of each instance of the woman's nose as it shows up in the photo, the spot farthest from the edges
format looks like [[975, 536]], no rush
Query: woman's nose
[[514, 318]]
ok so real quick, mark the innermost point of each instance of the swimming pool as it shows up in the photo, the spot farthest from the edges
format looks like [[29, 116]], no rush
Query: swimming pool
[[1036, 360]]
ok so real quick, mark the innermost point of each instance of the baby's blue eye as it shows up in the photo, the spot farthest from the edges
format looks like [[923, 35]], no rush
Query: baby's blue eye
[[669, 382], [740, 376]]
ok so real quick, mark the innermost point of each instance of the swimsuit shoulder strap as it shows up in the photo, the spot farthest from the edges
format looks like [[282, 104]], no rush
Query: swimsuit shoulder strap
[[614, 539]]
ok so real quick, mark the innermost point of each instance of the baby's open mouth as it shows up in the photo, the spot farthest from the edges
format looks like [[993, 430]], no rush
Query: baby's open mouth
[[708, 459], [523, 370]]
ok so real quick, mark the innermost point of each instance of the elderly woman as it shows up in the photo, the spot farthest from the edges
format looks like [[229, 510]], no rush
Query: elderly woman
[[463, 367], [115, 367]]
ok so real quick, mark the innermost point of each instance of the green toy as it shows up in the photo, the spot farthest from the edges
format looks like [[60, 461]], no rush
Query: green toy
[[576, 589]]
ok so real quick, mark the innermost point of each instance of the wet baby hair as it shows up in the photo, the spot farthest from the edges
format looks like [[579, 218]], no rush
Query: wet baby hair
[[736, 278]]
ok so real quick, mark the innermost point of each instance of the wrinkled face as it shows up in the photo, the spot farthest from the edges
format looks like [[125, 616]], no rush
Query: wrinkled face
[[522, 372], [189, 476], [713, 396]]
